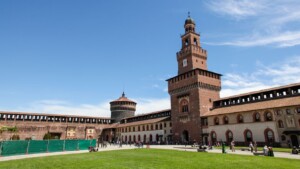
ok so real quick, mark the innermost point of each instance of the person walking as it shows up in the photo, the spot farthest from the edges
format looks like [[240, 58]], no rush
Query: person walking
[[251, 147], [255, 146], [265, 150], [232, 146]]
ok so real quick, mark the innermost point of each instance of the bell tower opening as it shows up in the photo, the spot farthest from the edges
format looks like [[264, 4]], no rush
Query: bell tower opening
[[191, 51]]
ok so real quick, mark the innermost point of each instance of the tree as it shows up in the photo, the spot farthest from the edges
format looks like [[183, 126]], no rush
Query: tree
[[10, 129], [47, 136]]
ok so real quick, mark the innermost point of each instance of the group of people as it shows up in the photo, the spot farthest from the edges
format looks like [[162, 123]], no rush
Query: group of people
[[268, 151], [253, 147]]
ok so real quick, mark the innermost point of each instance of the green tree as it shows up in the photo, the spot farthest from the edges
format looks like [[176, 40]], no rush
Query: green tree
[[47, 136]]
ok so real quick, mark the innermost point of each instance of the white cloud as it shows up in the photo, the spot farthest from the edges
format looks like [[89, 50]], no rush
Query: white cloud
[[275, 21], [283, 39], [65, 107], [144, 105], [236, 8], [266, 76]]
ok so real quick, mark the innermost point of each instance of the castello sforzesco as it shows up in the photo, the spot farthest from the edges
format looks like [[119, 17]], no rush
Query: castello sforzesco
[[197, 113]]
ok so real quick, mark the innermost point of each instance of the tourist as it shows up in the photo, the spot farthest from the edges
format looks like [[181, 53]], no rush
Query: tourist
[[255, 146], [232, 146], [270, 152], [251, 147], [265, 150], [289, 143], [294, 150]]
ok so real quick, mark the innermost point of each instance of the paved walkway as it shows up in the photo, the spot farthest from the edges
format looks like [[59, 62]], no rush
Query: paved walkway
[[173, 147]]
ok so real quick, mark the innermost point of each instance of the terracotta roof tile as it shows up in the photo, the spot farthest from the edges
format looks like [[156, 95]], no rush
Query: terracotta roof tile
[[145, 114], [49, 114], [276, 103], [143, 122], [122, 99], [260, 91]]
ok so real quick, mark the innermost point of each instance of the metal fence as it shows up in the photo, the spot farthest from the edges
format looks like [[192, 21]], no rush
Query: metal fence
[[20, 147]]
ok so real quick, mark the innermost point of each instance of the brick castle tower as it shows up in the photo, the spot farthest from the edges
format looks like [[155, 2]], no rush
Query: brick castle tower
[[122, 108], [194, 89]]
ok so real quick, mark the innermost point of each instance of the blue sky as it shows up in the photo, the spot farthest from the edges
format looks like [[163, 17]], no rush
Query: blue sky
[[73, 57]]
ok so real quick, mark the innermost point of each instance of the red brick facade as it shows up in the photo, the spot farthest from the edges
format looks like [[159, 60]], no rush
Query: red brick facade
[[194, 84]]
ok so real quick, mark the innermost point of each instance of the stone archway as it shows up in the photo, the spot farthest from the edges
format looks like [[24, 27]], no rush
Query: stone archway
[[185, 136]]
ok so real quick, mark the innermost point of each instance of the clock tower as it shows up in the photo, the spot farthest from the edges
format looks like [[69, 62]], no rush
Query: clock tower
[[191, 55], [194, 89]]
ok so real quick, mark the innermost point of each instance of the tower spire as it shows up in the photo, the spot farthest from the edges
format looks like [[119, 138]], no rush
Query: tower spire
[[189, 14]]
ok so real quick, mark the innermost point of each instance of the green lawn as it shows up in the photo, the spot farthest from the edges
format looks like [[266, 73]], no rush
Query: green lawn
[[275, 149], [151, 158]]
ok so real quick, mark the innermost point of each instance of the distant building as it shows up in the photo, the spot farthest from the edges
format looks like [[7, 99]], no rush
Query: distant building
[[122, 108]]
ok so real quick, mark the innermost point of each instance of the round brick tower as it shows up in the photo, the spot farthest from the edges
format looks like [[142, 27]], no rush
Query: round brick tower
[[122, 108]]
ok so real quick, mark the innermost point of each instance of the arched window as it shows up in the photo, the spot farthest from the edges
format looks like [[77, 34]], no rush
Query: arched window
[[139, 138], [156, 126], [157, 137], [129, 138], [145, 138], [195, 41], [278, 112], [225, 120], [213, 137], [186, 42], [229, 136], [256, 117], [184, 106], [269, 136], [125, 138], [297, 110], [268, 116], [288, 111], [240, 118], [216, 120], [248, 135], [134, 140], [151, 126], [283, 138], [147, 128], [280, 124], [160, 126], [150, 139]]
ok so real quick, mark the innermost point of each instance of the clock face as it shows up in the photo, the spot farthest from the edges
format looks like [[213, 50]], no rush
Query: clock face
[[184, 62]]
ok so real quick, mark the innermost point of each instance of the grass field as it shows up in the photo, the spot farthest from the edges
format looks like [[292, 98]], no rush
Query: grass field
[[151, 158], [275, 149]]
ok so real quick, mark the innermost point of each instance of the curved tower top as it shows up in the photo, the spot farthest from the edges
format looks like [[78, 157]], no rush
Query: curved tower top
[[122, 108], [192, 55]]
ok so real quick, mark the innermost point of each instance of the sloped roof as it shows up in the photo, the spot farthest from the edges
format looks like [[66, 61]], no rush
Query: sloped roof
[[122, 99], [146, 114], [276, 103], [260, 91], [150, 121]]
